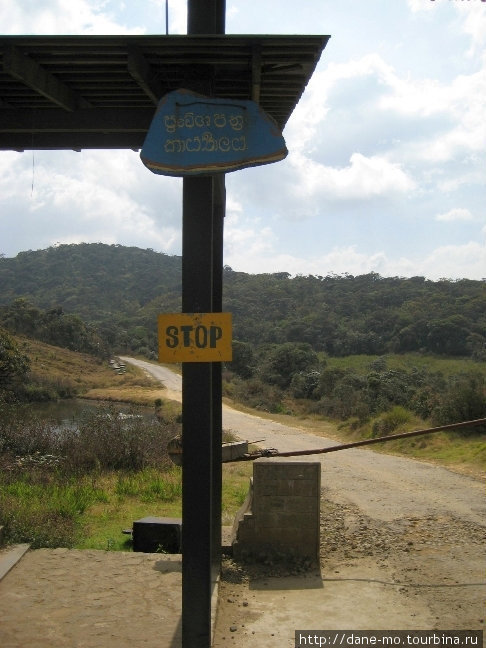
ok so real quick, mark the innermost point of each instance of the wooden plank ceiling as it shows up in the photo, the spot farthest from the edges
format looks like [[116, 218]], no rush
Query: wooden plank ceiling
[[75, 92]]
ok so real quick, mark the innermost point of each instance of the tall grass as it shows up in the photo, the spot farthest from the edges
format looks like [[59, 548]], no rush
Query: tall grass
[[51, 478], [150, 485], [102, 440], [44, 510]]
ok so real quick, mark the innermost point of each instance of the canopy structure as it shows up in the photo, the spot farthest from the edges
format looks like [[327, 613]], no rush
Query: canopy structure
[[82, 92], [101, 92]]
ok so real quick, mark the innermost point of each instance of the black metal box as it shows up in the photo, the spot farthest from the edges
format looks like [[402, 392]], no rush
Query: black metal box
[[154, 534]]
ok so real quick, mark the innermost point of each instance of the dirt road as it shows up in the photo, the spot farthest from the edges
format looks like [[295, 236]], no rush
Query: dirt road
[[379, 485], [402, 546]]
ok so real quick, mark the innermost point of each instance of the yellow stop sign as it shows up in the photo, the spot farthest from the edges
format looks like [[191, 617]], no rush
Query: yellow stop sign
[[195, 337]]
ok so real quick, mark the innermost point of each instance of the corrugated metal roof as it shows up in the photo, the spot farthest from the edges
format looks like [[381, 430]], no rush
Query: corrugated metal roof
[[101, 91]]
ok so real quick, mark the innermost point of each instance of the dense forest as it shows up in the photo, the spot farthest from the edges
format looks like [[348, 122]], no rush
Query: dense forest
[[100, 298], [119, 291]]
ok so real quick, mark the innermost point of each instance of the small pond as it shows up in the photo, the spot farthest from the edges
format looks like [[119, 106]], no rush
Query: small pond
[[66, 413]]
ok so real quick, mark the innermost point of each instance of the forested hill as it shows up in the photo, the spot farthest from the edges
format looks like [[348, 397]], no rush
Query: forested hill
[[93, 280], [120, 290]]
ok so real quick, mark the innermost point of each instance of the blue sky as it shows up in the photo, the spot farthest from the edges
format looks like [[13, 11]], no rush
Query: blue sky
[[386, 167]]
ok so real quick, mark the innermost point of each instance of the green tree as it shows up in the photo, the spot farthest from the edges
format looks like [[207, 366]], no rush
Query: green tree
[[14, 364], [305, 384], [284, 360], [448, 336], [243, 362], [463, 400]]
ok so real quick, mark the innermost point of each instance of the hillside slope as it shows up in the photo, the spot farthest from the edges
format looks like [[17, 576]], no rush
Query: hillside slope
[[121, 290]]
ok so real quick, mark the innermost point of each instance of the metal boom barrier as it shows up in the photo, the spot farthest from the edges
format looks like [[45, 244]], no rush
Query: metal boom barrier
[[357, 444]]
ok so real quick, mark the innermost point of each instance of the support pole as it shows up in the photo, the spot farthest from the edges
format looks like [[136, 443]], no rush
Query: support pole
[[197, 421], [202, 259], [219, 211]]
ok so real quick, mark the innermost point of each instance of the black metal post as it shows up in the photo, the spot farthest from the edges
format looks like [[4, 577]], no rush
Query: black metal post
[[197, 421], [206, 16], [202, 254], [219, 210]]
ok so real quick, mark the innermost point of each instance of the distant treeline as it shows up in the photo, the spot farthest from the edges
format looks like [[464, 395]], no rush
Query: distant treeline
[[52, 326], [118, 292], [367, 314]]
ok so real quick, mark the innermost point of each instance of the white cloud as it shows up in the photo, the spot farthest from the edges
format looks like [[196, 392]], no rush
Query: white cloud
[[462, 101], [364, 178], [475, 26], [456, 261], [415, 121], [15, 175], [59, 17], [449, 261], [472, 175], [248, 242], [68, 202], [318, 100], [457, 214], [457, 105], [421, 5]]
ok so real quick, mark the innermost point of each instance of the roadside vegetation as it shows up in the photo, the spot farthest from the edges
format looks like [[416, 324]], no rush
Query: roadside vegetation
[[81, 486], [360, 397], [52, 476], [32, 371], [292, 378]]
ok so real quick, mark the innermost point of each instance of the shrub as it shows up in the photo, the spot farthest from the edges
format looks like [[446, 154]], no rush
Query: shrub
[[257, 394], [108, 440], [282, 361], [463, 400], [36, 527], [305, 384], [390, 421], [104, 440]]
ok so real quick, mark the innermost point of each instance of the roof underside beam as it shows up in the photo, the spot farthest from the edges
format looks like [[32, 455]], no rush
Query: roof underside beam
[[26, 70], [84, 128], [140, 70], [70, 141], [101, 120]]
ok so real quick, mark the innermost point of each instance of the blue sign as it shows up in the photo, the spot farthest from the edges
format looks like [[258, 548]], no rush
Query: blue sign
[[193, 135]]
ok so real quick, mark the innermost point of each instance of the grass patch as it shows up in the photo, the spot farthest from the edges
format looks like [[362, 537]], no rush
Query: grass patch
[[132, 495], [85, 512], [150, 485], [125, 394], [407, 361], [45, 510], [466, 455], [82, 373], [236, 482], [462, 453]]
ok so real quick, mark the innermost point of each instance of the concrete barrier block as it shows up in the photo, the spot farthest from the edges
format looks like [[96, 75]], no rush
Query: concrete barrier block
[[284, 515]]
